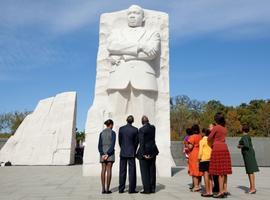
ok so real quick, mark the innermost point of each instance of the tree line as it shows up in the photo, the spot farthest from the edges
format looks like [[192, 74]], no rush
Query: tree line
[[9, 122], [185, 112]]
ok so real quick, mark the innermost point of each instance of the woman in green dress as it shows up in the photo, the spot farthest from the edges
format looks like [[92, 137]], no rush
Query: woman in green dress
[[248, 153]]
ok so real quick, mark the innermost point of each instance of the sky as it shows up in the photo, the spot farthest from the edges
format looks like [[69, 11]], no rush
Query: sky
[[219, 49]]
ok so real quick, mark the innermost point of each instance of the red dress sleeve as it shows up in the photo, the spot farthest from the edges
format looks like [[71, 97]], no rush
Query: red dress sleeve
[[211, 136]]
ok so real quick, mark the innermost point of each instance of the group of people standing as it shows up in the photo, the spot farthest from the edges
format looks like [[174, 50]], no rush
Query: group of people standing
[[134, 143], [207, 153], [208, 156]]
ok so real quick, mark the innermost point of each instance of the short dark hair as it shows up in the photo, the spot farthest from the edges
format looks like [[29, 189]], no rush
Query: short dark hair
[[130, 119], [189, 131], [108, 122], [204, 130], [145, 119], [245, 128], [195, 129], [220, 119]]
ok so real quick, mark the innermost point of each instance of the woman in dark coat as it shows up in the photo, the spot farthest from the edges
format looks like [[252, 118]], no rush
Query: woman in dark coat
[[106, 145], [248, 153]]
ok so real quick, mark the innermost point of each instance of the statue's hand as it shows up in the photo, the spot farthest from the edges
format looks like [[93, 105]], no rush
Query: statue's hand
[[147, 50]]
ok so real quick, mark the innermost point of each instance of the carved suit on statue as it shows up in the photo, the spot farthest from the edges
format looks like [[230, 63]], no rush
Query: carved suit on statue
[[132, 81], [132, 78]]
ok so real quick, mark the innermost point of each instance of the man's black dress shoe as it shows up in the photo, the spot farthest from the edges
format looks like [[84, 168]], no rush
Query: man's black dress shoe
[[121, 192]]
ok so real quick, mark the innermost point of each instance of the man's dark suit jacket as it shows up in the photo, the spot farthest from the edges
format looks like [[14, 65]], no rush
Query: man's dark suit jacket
[[147, 141], [128, 140]]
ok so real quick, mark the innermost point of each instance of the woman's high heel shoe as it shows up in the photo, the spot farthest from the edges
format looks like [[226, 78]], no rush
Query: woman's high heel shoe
[[252, 192], [219, 196]]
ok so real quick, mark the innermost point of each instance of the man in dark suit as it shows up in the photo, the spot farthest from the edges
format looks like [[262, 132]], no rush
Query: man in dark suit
[[128, 141], [146, 154]]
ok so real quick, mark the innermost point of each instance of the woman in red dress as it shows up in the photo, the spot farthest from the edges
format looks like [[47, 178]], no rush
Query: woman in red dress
[[193, 162], [220, 163]]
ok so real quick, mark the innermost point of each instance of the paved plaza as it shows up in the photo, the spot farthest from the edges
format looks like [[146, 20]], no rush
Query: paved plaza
[[66, 182]]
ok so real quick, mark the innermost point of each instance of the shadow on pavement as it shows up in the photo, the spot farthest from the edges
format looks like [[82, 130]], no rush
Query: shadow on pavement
[[159, 187], [176, 170], [244, 188]]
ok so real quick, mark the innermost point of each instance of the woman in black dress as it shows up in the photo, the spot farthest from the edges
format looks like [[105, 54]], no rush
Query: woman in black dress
[[106, 145]]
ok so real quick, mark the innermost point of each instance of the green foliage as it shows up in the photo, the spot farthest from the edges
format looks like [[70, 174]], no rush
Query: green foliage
[[263, 116], [5, 135], [9, 122], [80, 136], [233, 123], [185, 112]]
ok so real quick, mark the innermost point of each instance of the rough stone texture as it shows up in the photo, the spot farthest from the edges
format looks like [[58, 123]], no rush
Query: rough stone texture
[[45, 137], [261, 147], [66, 183], [97, 114]]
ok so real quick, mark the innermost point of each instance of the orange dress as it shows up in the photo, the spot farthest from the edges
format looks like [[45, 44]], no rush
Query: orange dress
[[193, 162]]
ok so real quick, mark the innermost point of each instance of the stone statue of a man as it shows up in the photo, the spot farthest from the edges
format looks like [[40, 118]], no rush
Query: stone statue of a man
[[132, 78], [132, 84]]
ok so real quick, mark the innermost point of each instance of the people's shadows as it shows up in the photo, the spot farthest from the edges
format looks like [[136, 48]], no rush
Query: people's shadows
[[159, 187], [176, 170], [244, 188], [115, 189]]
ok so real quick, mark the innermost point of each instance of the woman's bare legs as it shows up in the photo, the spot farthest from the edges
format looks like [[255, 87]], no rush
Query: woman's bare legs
[[225, 184], [221, 184], [251, 178], [196, 182], [208, 183]]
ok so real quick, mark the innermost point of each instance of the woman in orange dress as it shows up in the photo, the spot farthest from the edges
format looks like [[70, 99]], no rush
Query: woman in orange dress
[[193, 162]]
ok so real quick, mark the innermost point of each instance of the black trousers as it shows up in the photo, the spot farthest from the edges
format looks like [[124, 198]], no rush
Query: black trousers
[[131, 174], [216, 184], [148, 173]]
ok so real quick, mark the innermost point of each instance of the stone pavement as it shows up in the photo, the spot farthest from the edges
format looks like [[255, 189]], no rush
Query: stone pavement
[[67, 183]]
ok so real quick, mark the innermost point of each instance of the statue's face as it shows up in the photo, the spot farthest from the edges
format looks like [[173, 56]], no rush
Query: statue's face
[[135, 17]]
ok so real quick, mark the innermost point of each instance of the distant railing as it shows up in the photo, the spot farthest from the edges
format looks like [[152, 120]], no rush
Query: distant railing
[[261, 146]]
